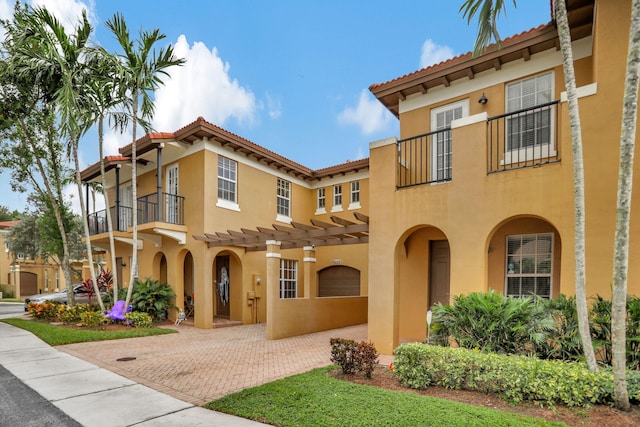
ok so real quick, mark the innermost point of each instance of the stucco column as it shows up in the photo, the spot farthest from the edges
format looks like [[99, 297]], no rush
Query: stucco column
[[273, 284], [310, 285], [203, 288]]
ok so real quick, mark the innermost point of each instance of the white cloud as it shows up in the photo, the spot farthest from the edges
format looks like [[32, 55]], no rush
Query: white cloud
[[275, 106], [201, 87], [433, 53], [369, 115], [68, 12]]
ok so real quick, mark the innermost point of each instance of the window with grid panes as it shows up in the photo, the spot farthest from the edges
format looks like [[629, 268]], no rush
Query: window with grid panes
[[529, 265], [288, 278], [533, 127], [284, 197], [321, 198], [337, 195], [355, 192], [227, 179]]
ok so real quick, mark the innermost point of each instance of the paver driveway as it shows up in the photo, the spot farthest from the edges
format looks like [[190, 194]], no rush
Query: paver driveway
[[201, 365]]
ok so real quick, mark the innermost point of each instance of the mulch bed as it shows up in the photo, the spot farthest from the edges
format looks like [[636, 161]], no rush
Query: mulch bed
[[597, 416]]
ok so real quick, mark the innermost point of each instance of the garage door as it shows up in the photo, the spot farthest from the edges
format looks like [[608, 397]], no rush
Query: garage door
[[28, 283], [338, 281]]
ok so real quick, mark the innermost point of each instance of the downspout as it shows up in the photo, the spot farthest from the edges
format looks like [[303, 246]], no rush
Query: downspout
[[159, 181]]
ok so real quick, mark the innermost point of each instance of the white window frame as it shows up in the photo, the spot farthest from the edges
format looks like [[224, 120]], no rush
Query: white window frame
[[457, 110], [513, 269], [337, 198], [171, 187], [355, 195], [229, 175], [537, 150], [126, 202], [283, 201], [321, 205], [288, 278]]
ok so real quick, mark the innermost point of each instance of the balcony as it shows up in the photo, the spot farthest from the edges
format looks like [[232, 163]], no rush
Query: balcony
[[170, 210], [524, 138], [425, 159]]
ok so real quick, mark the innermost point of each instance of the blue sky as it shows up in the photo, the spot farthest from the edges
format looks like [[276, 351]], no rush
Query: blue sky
[[291, 76]]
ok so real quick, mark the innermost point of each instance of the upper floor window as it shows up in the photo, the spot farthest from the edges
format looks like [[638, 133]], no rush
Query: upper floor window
[[529, 128], [337, 198], [284, 199], [288, 278], [441, 143], [321, 206], [355, 195], [529, 265], [227, 183]]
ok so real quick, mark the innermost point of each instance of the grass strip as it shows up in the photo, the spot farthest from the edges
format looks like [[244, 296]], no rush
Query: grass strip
[[59, 335], [316, 399]]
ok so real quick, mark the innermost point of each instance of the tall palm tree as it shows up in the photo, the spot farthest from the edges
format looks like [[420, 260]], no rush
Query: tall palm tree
[[139, 76], [59, 58], [490, 9]]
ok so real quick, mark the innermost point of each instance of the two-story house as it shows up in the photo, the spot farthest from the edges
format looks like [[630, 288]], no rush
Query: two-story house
[[477, 194], [243, 232]]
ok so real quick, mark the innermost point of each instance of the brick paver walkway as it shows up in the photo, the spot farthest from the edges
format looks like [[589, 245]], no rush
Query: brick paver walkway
[[198, 366]]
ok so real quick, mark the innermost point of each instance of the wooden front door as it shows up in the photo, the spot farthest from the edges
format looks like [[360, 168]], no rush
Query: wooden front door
[[223, 286], [439, 272]]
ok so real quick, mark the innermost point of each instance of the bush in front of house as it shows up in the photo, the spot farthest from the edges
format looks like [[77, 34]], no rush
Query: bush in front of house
[[138, 319], [47, 310], [152, 297], [73, 314], [514, 378], [354, 356]]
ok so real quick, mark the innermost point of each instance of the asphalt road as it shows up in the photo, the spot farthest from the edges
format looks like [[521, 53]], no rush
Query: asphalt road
[[20, 406], [10, 308]]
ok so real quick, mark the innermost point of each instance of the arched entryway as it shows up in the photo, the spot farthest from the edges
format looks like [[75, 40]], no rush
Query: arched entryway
[[523, 257], [228, 296], [423, 272]]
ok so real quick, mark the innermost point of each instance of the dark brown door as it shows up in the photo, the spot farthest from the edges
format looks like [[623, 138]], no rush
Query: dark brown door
[[439, 272], [28, 283], [337, 281], [223, 286]]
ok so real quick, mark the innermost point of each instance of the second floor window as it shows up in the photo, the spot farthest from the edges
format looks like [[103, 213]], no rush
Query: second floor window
[[321, 198], [337, 195], [284, 198], [355, 192], [533, 126], [227, 179]]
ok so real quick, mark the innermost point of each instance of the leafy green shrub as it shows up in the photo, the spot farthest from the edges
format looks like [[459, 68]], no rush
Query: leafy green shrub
[[138, 319], [72, 315], [600, 317], [563, 342], [93, 319], [515, 378], [354, 356], [46, 310], [152, 297], [492, 322]]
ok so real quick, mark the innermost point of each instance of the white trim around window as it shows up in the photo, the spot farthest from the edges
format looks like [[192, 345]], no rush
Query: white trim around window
[[337, 198], [355, 195], [321, 203], [529, 265]]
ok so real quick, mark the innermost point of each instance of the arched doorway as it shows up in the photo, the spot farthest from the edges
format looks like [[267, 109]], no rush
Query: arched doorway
[[188, 275]]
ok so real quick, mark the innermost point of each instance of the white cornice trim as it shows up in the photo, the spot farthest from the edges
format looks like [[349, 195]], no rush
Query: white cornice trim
[[383, 143], [511, 71], [583, 91], [469, 120]]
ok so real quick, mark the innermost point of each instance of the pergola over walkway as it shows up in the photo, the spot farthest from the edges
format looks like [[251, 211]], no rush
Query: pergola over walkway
[[341, 232]]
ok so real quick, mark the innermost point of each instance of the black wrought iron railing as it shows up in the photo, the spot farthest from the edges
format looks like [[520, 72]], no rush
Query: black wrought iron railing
[[523, 138], [169, 210], [425, 159]]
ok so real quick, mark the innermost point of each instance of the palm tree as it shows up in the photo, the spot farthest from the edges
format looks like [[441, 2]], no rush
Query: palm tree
[[487, 24], [139, 76], [59, 58]]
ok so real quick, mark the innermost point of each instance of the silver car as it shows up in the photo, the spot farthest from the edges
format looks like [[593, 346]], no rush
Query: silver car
[[80, 293]]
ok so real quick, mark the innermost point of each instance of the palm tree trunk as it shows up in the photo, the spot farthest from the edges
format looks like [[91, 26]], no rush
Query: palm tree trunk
[[623, 214], [578, 184], [134, 191]]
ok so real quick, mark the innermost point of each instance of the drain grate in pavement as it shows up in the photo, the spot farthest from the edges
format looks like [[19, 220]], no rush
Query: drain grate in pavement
[[125, 359]]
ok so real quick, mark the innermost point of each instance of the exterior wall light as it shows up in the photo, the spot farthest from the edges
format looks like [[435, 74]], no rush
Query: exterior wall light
[[483, 99]]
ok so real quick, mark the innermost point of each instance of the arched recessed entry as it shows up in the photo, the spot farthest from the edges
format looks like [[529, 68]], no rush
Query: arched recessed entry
[[229, 297], [523, 257], [28, 283], [188, 274], [163, 269], [338, 280], [422, 271]]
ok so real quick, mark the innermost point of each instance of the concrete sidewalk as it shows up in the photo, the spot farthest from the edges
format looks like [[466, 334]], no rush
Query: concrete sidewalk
[[94, 396]]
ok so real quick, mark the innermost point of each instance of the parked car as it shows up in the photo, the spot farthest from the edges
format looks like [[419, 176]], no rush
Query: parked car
[[80, 292]]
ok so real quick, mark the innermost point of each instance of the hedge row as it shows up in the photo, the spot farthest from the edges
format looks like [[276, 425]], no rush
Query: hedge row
[[515, 378]]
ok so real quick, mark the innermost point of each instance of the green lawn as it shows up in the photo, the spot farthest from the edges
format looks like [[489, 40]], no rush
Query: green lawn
[[59, 335], [316, 399]]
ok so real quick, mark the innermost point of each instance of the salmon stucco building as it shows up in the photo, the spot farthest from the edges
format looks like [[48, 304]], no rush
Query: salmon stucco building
[[475, 194]]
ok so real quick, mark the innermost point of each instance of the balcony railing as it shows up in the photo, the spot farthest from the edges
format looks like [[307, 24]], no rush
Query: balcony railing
[[169, 210], [524, 138], [172, 213], [425, 159]]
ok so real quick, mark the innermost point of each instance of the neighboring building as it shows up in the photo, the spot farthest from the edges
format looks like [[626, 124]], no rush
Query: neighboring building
[[22, 276], [250, 235], [477, 195]]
